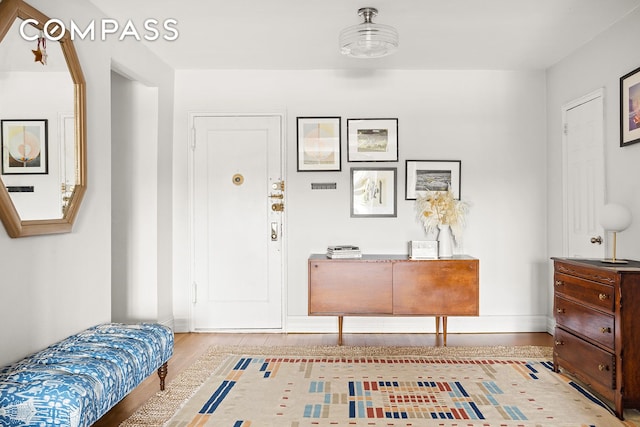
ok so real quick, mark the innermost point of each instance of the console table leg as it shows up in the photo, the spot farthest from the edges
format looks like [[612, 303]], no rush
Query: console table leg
[[340, 321], [437, 326], [444, 329]]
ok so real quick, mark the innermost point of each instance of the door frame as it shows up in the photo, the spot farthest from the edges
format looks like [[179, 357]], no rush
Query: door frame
[[283, 231], [598, 93]]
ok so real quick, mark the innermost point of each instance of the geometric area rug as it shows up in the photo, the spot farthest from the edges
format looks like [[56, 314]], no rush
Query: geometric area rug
[[377, 386]]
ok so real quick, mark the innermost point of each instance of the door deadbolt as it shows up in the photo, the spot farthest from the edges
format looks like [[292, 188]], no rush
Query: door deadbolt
[[277, 207]]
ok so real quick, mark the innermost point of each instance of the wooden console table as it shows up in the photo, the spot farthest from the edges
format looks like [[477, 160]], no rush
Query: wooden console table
[[393, 285]]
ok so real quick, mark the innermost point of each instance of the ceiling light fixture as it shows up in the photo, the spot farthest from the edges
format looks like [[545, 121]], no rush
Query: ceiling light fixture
[[368, 40]]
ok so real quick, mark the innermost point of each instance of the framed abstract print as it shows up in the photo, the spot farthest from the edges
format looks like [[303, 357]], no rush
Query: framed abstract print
[[318, 143], [372, 140], [24, 147]]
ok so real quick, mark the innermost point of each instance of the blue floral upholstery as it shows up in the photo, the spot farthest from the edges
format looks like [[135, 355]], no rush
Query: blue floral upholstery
[[76, 381]]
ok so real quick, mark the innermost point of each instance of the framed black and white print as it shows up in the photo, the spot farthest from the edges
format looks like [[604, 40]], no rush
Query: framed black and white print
[[24, 147], [432, 175], [630, 108], [372, 140], [373, 192], [319, 143]]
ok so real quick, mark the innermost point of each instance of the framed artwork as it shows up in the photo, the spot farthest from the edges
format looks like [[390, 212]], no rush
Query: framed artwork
[[432, 175], [373, 192], [319, 144], [630, 108], [372, 140], [24, 147]]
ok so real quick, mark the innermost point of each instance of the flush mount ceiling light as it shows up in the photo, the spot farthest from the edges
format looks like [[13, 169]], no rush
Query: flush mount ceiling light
[[368, 40]]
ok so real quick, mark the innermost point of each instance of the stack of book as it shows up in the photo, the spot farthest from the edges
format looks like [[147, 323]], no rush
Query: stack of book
[[344, 251]]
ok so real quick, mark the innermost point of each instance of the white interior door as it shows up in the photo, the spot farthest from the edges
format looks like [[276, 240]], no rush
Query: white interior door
[[237, 233], [584, 189]]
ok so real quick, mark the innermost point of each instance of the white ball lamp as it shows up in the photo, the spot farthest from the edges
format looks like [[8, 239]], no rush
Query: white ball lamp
[[615, 218]]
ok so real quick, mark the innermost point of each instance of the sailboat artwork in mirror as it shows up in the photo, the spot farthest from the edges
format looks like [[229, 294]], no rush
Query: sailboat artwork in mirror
[[42, 124]]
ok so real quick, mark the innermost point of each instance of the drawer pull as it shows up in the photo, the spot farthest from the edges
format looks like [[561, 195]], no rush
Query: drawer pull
[[603, 297], [602, 367], [558, 342], [605, 330], [560, 310], [559, 283]]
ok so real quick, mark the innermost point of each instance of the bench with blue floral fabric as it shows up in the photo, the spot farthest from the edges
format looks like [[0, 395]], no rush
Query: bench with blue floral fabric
[[76, 381]]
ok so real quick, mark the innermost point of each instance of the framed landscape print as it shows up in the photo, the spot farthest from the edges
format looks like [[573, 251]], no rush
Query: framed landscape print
[[432, 175], [630, 108], [373, 192], [318, 144], [24, 147], [372, 140]]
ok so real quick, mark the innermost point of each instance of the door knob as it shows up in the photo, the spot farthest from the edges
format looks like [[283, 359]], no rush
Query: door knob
[[597, 240]]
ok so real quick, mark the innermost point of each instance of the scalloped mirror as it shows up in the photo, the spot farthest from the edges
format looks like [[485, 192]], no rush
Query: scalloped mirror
[[43, 110]]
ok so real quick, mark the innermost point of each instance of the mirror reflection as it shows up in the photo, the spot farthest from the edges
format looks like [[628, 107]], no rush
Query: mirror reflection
[[37, 121], [44, 174]]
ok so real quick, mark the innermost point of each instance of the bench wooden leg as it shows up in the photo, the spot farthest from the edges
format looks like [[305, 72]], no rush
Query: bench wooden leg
[[162, 373]]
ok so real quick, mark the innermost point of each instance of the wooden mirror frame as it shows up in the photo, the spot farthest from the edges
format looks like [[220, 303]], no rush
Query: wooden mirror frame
[[10, 10]]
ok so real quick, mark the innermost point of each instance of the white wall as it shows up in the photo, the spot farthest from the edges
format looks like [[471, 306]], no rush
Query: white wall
[[134, 201], [493, 121], [53, 286], [599, 64]]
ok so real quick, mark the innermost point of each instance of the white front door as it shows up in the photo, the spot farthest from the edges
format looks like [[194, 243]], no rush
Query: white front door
[[584, 193], [237, 229]]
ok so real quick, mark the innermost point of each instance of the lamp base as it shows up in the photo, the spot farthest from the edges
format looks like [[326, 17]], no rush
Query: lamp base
[[614, 261]]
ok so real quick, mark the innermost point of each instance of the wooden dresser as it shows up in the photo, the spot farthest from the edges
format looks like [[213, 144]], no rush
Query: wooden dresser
[[597, 335], [393, 285]]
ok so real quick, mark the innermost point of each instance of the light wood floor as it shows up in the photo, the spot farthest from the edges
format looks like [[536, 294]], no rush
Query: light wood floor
[[188, 347]]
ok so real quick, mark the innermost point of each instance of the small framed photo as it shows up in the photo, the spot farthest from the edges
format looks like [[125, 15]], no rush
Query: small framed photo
[[372, 140], [319, 143], [373, 192], [24, 147], [432, 175], [630, 108]]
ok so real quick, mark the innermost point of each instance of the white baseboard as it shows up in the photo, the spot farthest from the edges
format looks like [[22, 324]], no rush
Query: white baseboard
[[352, 324], [168, 322], [181, 325], [481, 324], [551, 325]]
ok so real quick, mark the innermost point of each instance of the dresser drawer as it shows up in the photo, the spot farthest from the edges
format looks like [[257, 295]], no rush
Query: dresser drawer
[[590, 364], [592, 273], [592, 293], [585, 321]]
